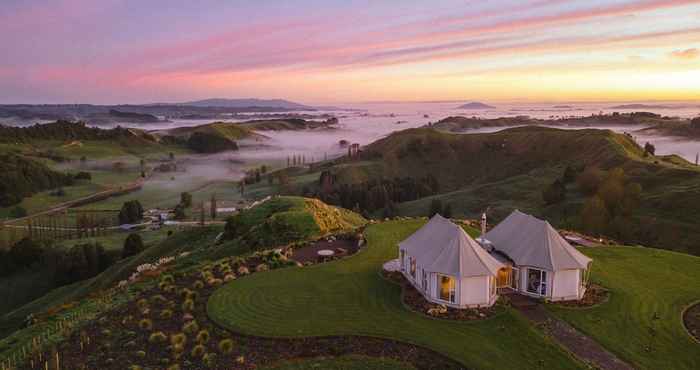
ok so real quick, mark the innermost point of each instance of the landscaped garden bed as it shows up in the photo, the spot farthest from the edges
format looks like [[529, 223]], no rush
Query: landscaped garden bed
[[691, 320], [595, 294], [417, 302], [167, 327], [341, 245]]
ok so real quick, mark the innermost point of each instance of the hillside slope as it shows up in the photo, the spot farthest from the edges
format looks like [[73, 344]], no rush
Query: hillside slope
[[281, 220], [509, 169]]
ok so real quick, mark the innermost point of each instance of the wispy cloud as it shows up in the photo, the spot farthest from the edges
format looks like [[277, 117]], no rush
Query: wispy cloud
[[686, 54]]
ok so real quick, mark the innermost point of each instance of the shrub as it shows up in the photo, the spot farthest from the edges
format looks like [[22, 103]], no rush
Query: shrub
[[174, 367], [159, 298], [18, 212], [214, 282], [198, 284], [166, 314], [188, 305], [198, 351], [157, 337], [209, 359], [229, 277], [82, 175], [191, 327], [168, 278], [140, 354], [146, 324], [135, 367], [226, 346], [133, 245], [243, 270], [142, 304], [203, 337], [179, 338], [261, 267], [131, 212]]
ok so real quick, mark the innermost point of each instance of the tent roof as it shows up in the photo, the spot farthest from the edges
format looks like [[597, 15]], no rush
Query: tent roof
[[443, 247], [529, 241]]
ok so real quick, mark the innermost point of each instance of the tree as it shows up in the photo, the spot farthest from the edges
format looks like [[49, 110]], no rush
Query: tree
[[212, 205], [569, 174], [649, 149], [554, 193], [131, 212], [179, 212], [186, 199], [589, 180], [263, 169], [171, 155], [447, 211], [594, 215], [18, 212], [133, 245], [435, 207]]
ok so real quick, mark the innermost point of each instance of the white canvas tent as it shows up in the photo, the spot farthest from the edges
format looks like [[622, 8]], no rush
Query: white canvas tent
[[448, 266], [544, 263]]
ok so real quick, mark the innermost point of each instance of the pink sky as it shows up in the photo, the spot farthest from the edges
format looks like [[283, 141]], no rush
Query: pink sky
[[312, 51]]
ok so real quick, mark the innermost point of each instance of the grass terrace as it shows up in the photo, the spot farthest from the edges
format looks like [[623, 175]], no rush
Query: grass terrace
[[349, 297], [641, 322]]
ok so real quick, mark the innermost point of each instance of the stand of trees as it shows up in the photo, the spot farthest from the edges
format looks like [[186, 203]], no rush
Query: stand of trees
[[21, 177], [131, 212], [613, 200], [202, 142], [373, 195], [65, 266]]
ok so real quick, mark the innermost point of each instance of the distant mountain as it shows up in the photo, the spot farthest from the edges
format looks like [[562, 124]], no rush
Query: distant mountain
[[475, 105], [245, 103], [641, 106]]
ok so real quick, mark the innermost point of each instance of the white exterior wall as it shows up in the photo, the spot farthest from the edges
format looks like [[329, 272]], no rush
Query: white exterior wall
[[567, 285], [469, 291], [474, 291], [561, 285]]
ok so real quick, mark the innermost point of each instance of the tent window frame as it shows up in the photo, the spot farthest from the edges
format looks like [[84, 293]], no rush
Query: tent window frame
[[424, 280], [412, 260], [451, 288], [403, 260], [542, 288]]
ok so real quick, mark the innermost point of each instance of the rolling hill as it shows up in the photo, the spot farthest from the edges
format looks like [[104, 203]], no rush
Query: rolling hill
[[509, 169]]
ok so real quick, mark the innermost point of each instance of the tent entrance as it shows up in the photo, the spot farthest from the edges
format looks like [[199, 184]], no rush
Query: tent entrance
[[504, 278]]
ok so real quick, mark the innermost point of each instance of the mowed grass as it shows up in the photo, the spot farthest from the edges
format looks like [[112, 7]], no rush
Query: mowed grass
[[641, 322], [349, 297], [343, 363]]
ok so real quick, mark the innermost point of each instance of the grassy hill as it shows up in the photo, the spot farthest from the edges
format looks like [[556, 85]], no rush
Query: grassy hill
[[349, 297], [281, 220], [510, 168], [641, 322]]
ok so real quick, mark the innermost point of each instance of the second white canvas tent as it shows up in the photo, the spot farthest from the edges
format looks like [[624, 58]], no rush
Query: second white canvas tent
[[547, 265]]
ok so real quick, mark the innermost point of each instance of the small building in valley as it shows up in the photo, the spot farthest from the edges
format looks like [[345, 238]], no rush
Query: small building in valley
[[448, 267]]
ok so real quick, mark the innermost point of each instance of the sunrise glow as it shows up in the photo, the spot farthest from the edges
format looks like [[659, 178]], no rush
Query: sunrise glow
[[334, 51]]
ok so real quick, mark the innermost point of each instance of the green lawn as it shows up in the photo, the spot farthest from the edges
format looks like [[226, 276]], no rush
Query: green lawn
[[645, 283], [343, 363], [349, 297]]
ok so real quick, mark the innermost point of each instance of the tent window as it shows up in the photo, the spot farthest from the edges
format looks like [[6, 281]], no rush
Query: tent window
[[492, 280], [425, 280], [413, 267], [403, 260], [537, 281], [446, 287]]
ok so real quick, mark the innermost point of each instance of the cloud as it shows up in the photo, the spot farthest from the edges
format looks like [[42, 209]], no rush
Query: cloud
[[686, 54]]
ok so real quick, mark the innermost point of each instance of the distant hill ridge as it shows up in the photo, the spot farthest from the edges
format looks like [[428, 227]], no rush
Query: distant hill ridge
[[246, 103]]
